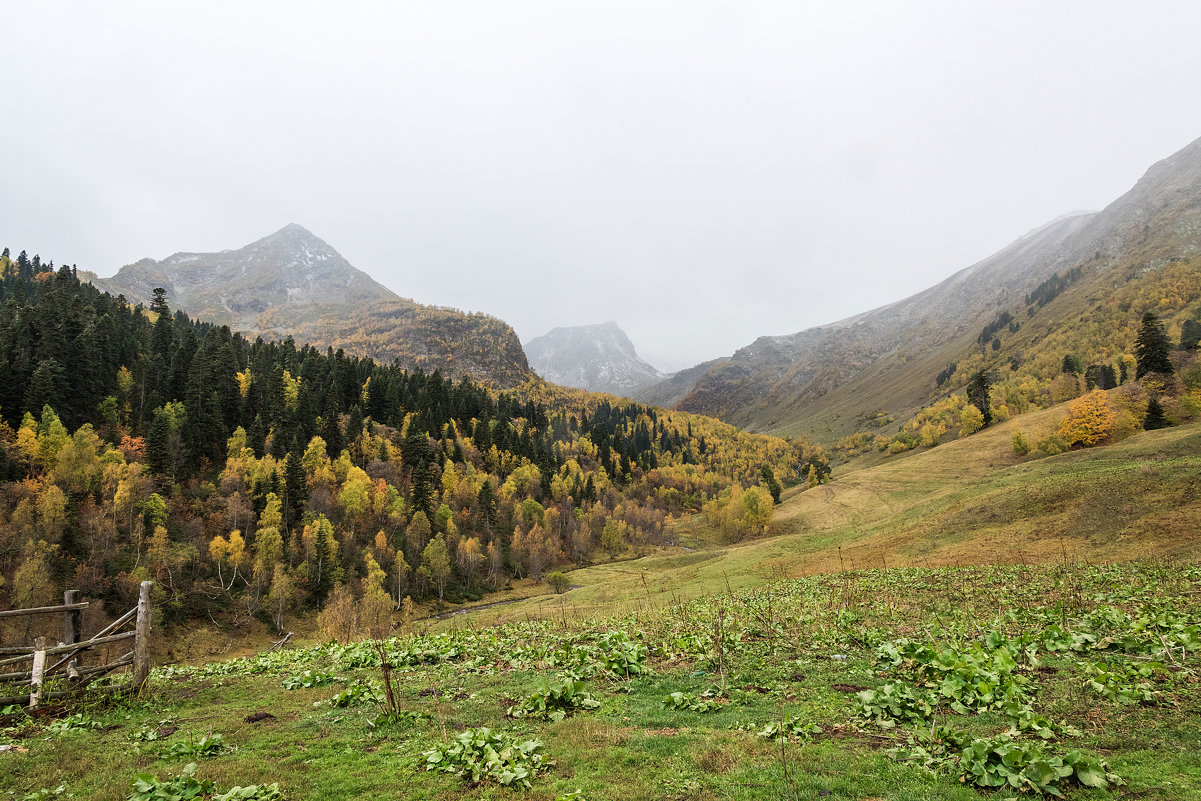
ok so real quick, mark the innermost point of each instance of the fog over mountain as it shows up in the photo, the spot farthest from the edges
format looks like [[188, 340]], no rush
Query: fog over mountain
[[705, 174], [600, 358]]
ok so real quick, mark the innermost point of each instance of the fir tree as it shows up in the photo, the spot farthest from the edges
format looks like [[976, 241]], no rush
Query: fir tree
[[45, 386], [158, 301], [158, 445], [256, 437], [1151, 348], [295, 489], [1154, 418], [978, 394], [768, 479]]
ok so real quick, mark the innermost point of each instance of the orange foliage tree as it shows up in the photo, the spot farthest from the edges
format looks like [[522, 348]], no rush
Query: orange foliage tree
[[1090, 420]]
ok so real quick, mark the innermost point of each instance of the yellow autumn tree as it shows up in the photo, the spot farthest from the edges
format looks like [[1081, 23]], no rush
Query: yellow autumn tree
[[1091, 419], [971, 420], [375, 604], [228, 552]]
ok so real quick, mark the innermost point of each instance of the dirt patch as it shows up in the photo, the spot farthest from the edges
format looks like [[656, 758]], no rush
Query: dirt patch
[[851, 732], [848, 688], [715, 761], [166, 731]]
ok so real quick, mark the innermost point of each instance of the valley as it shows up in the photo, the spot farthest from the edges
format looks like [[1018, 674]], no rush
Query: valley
[[942, 549]]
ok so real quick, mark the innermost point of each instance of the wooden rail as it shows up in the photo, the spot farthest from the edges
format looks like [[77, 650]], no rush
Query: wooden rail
[[42, 610]]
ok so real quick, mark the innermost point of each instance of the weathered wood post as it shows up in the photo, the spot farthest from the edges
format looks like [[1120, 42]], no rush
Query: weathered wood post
[[141, 642], [72, 627], [39, 671]]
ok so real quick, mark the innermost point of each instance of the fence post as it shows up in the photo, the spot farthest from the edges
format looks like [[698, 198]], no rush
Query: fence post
[[39, 670], [72, 627], [141, 642]]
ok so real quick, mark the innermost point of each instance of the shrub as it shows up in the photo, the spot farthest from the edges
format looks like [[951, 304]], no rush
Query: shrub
[[1051, 446], [557, 581], [1021, 446]]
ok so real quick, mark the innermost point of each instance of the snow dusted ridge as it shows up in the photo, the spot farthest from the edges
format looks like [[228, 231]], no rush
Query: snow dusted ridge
[[599, 358], [291, 267]]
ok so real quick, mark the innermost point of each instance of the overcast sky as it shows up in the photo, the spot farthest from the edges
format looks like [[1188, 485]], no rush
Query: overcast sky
[[701, 173]]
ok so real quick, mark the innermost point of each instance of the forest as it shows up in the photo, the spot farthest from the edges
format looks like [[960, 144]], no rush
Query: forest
[[262, 479]]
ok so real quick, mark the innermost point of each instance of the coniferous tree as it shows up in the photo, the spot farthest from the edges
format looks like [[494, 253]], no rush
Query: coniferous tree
[[1151, 348], [158, 444], [978, 394], [256, 437], [421, 488], [331, 429], [485, 501], [158, 301], [295, 489], [1154, 418], [769, 480], [45, 386]]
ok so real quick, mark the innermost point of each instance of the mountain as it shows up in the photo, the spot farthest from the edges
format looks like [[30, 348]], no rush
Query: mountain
[[829, 380], [598, 358], [290, 269], [292, 283]]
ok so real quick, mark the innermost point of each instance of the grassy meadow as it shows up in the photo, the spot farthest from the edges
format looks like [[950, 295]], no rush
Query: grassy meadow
[[907, 683]]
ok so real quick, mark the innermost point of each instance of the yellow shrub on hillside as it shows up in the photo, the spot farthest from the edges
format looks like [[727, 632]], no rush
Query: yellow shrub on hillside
[[1090, 420]]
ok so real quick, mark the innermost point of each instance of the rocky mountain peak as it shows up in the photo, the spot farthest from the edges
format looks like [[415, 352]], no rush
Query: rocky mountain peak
[[294, 283], [599, 357]]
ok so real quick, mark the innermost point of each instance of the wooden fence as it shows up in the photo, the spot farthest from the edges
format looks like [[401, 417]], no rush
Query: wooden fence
[[69, 663]]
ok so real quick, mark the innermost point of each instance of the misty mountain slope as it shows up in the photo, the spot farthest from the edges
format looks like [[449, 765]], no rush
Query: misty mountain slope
[[824, 381], [598, 358], [780, 382], [293, 283]]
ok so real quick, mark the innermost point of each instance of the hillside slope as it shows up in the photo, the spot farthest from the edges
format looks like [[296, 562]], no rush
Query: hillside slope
[[970, 502], [826, 381], [292, 283], [598, 358]]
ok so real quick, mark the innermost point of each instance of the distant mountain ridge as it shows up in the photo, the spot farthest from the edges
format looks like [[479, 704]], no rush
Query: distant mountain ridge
[[824, 380], [293, 283], [598, 358]]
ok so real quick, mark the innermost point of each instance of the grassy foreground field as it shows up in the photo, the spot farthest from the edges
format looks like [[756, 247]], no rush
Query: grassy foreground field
[[879, 684]]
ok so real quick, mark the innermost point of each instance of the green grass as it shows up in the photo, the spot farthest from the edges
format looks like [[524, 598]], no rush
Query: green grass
[[775, 662]]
